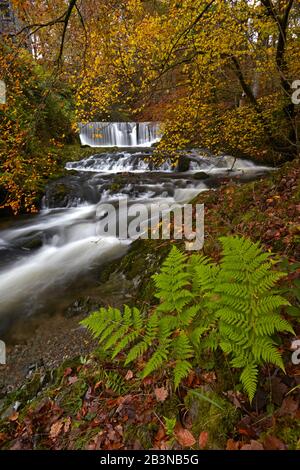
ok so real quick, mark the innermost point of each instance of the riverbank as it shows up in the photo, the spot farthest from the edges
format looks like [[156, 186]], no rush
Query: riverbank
[[100, 414]]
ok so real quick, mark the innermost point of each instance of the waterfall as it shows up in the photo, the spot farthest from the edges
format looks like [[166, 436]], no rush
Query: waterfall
[[119, 134], [119, 162]]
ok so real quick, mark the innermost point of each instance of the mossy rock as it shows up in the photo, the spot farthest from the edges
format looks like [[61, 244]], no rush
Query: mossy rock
[[137, 266], [201, 175], [25, 393], [212, 414]]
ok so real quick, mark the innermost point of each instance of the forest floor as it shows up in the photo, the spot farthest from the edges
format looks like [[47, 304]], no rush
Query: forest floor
[[90, 403]]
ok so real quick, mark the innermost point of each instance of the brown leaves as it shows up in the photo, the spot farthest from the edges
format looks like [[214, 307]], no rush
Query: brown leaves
[[68, 372], [184, 437], [56, 429], [254, 445], [14, 416], [273, 443], [232, 445], [203, 439], [67, 424], [161, 394], [129, 375], [290, 407]]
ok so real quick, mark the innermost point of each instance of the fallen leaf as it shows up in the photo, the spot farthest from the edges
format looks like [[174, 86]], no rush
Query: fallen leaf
[[235, 398], [56, 429], [161, 394], [148, 381], [254, 445], [67, 372], [161, 434], [232, 445], [14, 416], [129, 375], [112, 435], [247, 431], [17, 445], [119, 429], [67, 424], [203, 439], [209, 377], [279, 389], [98, 384], [184, 437], [273, 443], [289, 407]]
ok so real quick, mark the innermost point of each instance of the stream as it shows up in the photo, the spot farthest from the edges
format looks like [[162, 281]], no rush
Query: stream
[[47, 260]]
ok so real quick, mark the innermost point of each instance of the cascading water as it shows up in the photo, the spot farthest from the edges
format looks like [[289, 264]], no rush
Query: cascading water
[[54, 248], [119, 134]]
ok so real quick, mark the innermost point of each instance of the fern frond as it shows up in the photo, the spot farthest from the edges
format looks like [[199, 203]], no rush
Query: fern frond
[[172, 282], [249, 379], [264, 349], [156, 361], [181, 371], [137, 351]]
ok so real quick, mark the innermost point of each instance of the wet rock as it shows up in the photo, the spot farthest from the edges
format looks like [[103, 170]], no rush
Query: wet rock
[[77, 308], [33, 243], [201, 175], [183, 163], [66, 191]]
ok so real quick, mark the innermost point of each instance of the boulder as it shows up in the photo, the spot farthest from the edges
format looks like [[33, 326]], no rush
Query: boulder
[[183, 163]]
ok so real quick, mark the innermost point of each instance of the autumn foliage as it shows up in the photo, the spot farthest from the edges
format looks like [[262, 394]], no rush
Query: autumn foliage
[[217, 74], [34, 122]]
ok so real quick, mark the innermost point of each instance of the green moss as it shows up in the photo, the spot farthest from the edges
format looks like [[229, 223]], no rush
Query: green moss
[[58, 374], [213, 414], [70, 397], [144, 433], [85, 437], [287, 429], [141, 262], [169, 408]]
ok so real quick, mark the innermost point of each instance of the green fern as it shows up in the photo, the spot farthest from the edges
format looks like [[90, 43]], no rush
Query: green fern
[[247, 308], [172, 283], [115, 382], [203, 306]]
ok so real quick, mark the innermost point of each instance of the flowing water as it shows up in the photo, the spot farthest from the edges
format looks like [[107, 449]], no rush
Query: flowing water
[[119, 134], [43, 256]]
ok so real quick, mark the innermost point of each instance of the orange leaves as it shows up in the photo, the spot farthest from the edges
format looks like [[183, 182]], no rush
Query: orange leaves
[[56, 429], [184, 437], [203, 440]]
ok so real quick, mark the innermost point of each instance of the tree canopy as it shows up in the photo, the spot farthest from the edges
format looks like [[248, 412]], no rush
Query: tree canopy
[[216, 73]]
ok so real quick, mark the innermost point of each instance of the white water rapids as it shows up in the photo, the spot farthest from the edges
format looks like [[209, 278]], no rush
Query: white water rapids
[[47, 252]]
